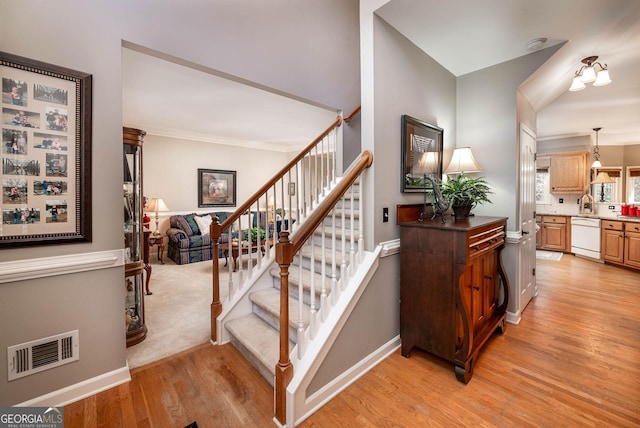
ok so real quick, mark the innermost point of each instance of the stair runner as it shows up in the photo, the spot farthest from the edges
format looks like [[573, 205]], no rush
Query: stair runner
[[256, 335]]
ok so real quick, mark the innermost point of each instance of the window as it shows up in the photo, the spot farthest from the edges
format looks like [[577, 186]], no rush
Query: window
[[612, 192], [542, 186], [633, 184]]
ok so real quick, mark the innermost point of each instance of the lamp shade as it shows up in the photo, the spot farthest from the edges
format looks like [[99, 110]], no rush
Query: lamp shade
[[462, 161], [157, 205], [576, 84], [588, 74], [602, 79], [602, 178], [428, 163]]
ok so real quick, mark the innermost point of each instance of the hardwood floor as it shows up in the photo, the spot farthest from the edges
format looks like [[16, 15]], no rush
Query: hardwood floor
[[574, 360]]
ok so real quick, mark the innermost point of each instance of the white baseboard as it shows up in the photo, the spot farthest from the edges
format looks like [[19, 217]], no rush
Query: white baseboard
[[80, 390], [513, 318]]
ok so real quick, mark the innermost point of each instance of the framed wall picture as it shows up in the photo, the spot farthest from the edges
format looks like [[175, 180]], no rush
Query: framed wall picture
[[421, 154], [46, 153], [216, 188]]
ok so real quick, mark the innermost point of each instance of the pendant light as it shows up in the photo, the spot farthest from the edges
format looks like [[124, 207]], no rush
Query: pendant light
[[596, 152]]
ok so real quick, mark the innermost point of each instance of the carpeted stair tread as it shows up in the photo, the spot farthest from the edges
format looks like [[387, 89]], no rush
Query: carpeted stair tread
[[258, 342], [269, 301]]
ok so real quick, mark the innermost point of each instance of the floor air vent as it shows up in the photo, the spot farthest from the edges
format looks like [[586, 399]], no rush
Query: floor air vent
[[42, 354]]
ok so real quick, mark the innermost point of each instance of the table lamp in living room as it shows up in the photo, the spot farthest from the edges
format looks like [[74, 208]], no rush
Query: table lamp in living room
[[157, 205]]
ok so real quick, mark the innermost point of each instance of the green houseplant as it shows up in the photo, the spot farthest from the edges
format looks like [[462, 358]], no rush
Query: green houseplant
[[465, 193]]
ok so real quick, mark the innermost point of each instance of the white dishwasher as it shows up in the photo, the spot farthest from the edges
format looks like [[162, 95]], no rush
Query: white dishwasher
[[585, 237]]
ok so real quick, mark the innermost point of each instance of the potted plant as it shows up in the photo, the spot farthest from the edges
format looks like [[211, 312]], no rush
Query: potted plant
[[465, 193], [253, 234]]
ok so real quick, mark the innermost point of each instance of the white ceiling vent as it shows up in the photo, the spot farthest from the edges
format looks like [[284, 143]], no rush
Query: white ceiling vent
[[42, 354]]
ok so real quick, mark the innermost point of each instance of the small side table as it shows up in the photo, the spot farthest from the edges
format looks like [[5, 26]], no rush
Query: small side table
[[158, 241]]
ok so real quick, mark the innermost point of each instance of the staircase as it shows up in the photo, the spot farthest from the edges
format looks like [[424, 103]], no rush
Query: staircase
[[318, 268], [256, 335]]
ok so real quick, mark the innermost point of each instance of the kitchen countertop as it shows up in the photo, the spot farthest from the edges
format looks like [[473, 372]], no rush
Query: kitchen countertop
[[601, 217]]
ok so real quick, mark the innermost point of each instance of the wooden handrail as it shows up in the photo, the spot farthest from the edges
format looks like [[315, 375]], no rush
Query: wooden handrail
[[262, 190], [286, 249], [350, 116]]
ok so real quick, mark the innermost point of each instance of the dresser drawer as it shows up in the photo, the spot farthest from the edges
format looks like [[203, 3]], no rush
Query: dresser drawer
[[484, 240], [612, 225]]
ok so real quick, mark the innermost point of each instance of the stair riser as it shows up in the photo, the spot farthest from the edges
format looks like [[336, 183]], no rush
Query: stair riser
[[265, 372], [306, 298], [317, 239], [274, 322], [338, 223], [306, 265]]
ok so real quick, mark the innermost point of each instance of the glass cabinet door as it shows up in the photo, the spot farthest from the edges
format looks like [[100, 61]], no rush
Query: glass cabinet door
[[136, 330]]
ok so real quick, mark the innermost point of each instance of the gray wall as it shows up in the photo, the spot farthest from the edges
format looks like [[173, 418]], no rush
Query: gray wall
[[279, 45], [487, 122], [406, 81]]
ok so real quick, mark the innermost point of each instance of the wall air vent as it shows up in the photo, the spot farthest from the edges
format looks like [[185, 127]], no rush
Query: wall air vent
[[42, 354]]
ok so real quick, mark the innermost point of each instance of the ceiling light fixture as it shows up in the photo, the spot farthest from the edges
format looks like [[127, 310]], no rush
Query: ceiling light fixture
[[596, 152], [535, 44], [587, 74]]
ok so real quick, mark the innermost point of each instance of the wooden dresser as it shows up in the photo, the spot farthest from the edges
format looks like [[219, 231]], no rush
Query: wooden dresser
[[453, 289]]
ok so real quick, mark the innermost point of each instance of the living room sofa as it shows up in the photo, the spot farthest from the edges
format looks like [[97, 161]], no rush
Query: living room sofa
[[189, 244]]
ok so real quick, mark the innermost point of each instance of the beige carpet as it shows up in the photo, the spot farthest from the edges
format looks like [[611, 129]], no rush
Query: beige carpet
[[178, 312]]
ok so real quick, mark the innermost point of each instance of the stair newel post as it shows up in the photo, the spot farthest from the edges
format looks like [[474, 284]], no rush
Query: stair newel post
[[215, 231], [284, 368]]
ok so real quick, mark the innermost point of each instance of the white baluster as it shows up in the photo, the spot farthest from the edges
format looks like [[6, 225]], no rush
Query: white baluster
[[343, 265], [230, 259], [312, 299], [352, 249], [323, 295], [334, 273], [301, 341], [360, 225]]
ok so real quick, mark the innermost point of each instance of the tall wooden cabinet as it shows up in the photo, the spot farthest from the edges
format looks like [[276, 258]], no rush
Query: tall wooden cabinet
[[136, 328], [453, 288]]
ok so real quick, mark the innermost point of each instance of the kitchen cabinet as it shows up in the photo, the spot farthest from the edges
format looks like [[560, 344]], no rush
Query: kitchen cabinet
[[453, 288], [555, 233], [568, 173], [621, 243], [632, 244], [612, 241]]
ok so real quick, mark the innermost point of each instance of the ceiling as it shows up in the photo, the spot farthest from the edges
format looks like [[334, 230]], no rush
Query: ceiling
[[166, 97], [465, 36]]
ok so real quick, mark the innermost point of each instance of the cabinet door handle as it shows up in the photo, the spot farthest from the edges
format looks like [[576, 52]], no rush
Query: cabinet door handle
[[475, 287], [488, 277], [477, 247]]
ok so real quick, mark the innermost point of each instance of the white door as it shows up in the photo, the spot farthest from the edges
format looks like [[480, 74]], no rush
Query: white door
[[527, 215]]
